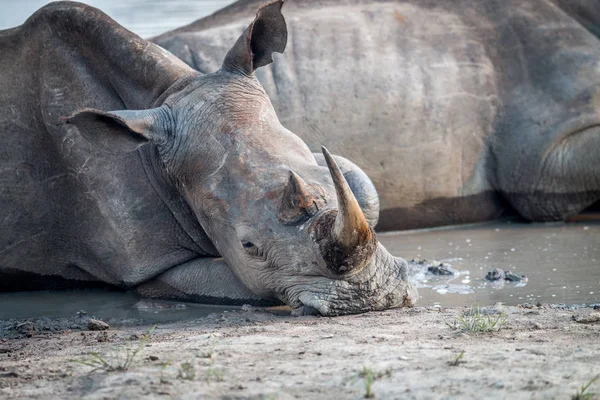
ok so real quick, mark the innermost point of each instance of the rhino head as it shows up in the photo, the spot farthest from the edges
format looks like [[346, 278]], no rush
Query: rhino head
[[289, 228]]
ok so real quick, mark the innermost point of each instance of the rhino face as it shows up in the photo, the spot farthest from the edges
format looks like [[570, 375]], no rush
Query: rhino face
[[288, 228]]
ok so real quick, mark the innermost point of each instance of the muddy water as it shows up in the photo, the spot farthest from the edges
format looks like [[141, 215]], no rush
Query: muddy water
[[145, 17], [114, 306], [561, 261]]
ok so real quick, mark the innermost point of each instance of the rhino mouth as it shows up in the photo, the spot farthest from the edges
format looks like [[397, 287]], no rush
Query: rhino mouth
[[380, 286]]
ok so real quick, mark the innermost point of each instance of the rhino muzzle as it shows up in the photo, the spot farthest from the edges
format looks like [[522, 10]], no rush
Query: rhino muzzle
[[381, 285]]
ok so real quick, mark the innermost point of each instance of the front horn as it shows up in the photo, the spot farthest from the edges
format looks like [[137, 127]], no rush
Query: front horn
[[352, 242], [362, 187]]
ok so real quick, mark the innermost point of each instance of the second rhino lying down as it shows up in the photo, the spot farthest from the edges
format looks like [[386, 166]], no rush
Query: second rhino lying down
[[199, 192], [459, 111]]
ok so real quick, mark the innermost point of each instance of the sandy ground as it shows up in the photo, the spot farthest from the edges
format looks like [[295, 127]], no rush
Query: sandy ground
[[543, 352]]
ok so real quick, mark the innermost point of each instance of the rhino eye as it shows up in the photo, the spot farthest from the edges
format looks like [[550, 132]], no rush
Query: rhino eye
[[251, 248]]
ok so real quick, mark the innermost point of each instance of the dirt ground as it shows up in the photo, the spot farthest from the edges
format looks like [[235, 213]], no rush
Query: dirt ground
[[542, 352]]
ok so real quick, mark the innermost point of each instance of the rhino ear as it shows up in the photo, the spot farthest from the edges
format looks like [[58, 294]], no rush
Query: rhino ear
[[263, 37], [119, 131]]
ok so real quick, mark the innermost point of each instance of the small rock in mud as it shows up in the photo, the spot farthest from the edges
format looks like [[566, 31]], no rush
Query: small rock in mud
[[495, 275], [434, 267], [25, 328], [587, 319], [509, 276], [102, 337], [498, 274], [441, 269], [97, 325]]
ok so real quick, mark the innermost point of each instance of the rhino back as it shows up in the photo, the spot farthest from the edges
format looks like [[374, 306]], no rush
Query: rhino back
[[70, 210]]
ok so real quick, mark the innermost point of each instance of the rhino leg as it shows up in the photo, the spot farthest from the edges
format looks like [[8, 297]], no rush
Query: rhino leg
[[568, 181], [202, 280]]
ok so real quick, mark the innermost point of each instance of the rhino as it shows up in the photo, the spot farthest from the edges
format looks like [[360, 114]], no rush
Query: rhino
[[459, 111], [123, 166]]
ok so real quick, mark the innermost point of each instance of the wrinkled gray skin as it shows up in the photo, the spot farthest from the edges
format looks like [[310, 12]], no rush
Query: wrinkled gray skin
[[459, 111], [192, 189]]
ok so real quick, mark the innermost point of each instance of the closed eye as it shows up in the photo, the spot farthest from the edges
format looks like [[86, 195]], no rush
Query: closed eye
[[252, 249]]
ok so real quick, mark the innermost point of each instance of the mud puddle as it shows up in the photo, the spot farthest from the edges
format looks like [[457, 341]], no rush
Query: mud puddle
[[112, 306], [561, 262]]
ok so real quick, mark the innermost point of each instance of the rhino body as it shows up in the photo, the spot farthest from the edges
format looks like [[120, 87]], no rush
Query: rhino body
[[71, 210], [459, 111], [121, 165]]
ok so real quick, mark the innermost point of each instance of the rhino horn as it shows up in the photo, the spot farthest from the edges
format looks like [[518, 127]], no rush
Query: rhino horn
[[352, 235], [297, 205]]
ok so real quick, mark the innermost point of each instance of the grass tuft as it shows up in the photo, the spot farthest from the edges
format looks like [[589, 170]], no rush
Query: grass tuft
[[473, 321], [457, 360], [369, 377], [163, 367], [210, 353], [186, 371], [582, 393], [118, 360], [215, 374]]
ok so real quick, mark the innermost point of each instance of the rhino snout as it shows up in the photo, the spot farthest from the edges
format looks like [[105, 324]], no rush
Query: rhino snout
[[383, 284]]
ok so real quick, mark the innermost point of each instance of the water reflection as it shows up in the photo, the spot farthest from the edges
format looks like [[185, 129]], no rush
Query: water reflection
[[145, 17], [111, 306]]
